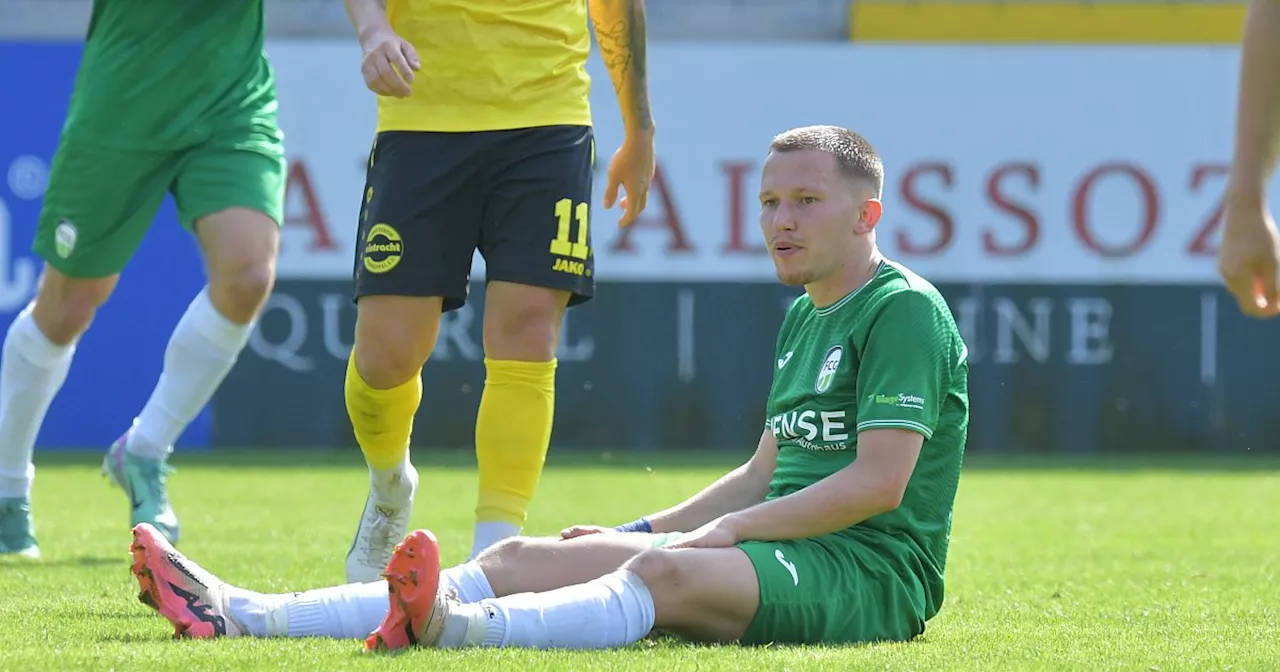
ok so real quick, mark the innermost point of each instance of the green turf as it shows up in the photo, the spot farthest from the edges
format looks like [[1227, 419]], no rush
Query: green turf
[[1055, 564]]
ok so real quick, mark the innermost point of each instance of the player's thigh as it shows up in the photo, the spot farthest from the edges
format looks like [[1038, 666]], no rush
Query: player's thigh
[[703, 594], [99, 205], [827, 590], [230, 192], [420, 221], [538, 564], [537, 219]]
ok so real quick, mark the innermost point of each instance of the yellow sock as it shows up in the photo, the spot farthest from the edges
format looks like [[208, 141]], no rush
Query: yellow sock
[[382, 419], [513, 428]]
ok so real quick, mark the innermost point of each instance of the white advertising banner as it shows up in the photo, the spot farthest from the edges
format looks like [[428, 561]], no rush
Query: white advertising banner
[[1005, 164]]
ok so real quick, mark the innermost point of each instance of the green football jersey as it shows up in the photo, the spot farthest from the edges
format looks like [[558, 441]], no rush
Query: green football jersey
[[168, 75], [888, 355]]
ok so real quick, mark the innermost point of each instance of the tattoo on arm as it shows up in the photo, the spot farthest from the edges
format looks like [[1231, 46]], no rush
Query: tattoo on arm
[[622, 41]]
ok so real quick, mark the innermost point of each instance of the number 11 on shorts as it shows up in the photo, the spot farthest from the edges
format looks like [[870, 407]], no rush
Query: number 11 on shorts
[[561, 245]]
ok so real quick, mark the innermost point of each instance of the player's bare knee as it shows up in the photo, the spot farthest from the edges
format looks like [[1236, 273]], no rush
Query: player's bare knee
[[661, 570], [394, 337], [241, 286], [64, 306], [523, 323], [502, 561], [240, 248], [384, 363], [505, 552]]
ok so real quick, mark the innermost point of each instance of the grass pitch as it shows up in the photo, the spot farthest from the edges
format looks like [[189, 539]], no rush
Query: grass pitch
[[1165, 564]]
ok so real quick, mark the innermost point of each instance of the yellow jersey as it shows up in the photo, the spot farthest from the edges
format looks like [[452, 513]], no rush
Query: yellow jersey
[[491, 65]]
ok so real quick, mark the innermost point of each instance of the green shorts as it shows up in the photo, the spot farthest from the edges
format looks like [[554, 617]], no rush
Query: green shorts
[[101, 200], [826, 590]]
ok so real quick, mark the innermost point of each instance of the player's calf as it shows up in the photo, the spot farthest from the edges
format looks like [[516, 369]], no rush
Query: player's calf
[[38, 348], [383, 388], [513, 423]]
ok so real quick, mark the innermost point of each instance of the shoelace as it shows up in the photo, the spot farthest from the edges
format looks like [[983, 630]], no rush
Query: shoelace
[[377, 549]]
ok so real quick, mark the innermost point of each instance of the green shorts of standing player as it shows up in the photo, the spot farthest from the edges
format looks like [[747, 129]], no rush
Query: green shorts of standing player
[[170, 98], [836, 530]]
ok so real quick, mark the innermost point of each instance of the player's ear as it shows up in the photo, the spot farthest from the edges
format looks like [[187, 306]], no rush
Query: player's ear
[[869, 216]]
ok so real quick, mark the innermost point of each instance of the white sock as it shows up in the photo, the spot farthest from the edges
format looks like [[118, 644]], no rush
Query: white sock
[[32, 370], [468, 580], [203, 348], [613, 610], [394, 487], [350, 611], [488, 534]]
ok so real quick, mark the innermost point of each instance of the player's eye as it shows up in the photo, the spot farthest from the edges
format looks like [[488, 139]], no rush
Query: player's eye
[[769, 202], [808, 200]]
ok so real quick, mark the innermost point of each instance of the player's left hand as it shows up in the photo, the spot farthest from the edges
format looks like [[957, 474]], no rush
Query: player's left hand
[[631, 168], [718, 533], [1247, 258], [575, 531]]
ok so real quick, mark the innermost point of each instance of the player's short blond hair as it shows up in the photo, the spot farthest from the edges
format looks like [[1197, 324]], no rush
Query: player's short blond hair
[[855, 156]]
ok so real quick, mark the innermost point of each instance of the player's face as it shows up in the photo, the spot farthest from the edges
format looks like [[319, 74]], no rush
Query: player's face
[[808, 215]]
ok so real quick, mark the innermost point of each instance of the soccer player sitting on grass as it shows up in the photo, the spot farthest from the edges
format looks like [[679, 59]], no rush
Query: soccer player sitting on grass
[[835, 531]]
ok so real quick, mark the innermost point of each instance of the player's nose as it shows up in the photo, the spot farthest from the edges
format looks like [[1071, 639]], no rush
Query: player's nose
[[782, 218]]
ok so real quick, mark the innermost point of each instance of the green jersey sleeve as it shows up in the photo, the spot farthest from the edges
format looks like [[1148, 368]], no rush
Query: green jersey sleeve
[[905, 362]]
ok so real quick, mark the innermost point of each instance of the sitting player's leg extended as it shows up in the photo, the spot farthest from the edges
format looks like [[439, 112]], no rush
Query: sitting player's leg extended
[[753, 592], [199, 604]]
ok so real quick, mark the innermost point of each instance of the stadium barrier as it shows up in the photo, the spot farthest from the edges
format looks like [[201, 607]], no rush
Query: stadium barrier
[[1035, 22], [1065, 199]]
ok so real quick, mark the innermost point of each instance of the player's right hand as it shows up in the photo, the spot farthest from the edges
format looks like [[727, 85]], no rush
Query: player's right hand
[[388, 64], [583, 530], [1247, 258]]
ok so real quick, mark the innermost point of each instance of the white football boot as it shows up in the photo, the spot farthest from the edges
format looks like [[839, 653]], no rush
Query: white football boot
[[381, 528]]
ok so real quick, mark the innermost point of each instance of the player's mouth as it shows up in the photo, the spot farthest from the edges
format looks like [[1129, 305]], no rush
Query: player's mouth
[[784, 248]]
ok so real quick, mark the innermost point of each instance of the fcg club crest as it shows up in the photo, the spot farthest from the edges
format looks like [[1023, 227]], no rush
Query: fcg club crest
[[827, 374]]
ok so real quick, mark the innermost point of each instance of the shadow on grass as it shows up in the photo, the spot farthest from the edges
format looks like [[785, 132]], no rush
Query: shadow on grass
[[85, 561], [121, 560], [464, 459]]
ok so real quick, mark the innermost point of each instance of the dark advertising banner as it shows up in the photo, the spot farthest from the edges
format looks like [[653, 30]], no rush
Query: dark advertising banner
[[653, 366]]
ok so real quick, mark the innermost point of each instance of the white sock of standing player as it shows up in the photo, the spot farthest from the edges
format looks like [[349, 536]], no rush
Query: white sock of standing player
[[203, 348], [32, 370]]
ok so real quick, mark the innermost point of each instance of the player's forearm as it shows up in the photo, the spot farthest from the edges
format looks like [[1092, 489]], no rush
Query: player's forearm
[[367, 16], [1257, 143], [620, 33], [739, 489], [837, 502]]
